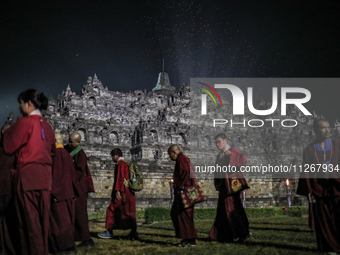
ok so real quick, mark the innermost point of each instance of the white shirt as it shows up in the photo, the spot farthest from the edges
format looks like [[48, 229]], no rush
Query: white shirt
[[226, 148], [36, 111]]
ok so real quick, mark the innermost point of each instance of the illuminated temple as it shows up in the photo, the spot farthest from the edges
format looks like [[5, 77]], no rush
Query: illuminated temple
[[145, 124]]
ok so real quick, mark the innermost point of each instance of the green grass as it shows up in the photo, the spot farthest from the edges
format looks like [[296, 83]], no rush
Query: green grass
[[271, 235]]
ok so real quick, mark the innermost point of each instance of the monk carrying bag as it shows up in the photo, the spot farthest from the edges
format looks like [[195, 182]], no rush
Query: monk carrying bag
[[192, 195], [135, 183]]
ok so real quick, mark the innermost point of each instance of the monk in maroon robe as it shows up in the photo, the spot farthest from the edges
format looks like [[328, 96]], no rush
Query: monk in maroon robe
[[323, 188], [32, 140], [231, 221], [182, 218], [61, 233], [7, 163], [121, 213], [81, 224]]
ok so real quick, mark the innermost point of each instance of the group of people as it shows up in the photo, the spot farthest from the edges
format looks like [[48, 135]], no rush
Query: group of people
[[44, 189], [322, 188], [231, 222]]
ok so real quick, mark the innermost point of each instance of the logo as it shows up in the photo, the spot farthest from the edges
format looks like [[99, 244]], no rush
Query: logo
[[238, 99], [204, 97], [235, 184], [283, 99]]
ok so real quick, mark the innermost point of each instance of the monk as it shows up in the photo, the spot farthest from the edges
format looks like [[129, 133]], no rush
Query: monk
[[231, 222], [7, 163], [32, 140], [323, 188], [81, 225], [61, 231], [121, 213], [182, 219]]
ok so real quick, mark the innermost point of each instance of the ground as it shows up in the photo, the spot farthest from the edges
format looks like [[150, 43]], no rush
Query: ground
[[283, 235]]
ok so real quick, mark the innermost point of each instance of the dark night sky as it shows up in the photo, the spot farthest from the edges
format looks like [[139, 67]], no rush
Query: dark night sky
[[49, 44]]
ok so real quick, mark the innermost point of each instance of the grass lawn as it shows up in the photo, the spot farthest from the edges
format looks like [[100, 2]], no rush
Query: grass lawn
[[283, 235]]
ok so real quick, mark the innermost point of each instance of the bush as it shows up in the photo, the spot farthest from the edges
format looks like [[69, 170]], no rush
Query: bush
[[156, 214], [163, 214], [261, 212], [295, 211], [205, 213], [140, 214], [98, 216], [101, 214]]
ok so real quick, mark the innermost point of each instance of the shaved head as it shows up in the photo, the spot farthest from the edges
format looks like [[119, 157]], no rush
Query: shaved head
[[76, 136], [174, 148], [74, 140], [173, 151], [59, 139]]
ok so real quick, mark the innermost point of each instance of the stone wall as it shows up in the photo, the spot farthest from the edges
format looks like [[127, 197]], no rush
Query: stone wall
[[156, 193]]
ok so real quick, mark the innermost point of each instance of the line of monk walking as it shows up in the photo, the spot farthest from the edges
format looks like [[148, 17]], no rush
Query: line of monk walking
[[44, 189]]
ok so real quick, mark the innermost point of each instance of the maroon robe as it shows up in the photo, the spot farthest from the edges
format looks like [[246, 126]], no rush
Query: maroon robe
[[61, 233], [32, 139], [324, 214], [81, 222], [182, 219], [231, 221], [121, 214], [7, 163]]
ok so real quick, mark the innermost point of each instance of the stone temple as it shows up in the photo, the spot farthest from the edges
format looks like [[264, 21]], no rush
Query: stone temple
[[145, 124]]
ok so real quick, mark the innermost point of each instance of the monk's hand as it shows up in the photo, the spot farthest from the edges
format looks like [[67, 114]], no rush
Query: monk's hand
[[309, 197], [118, 197], [227, 152]]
